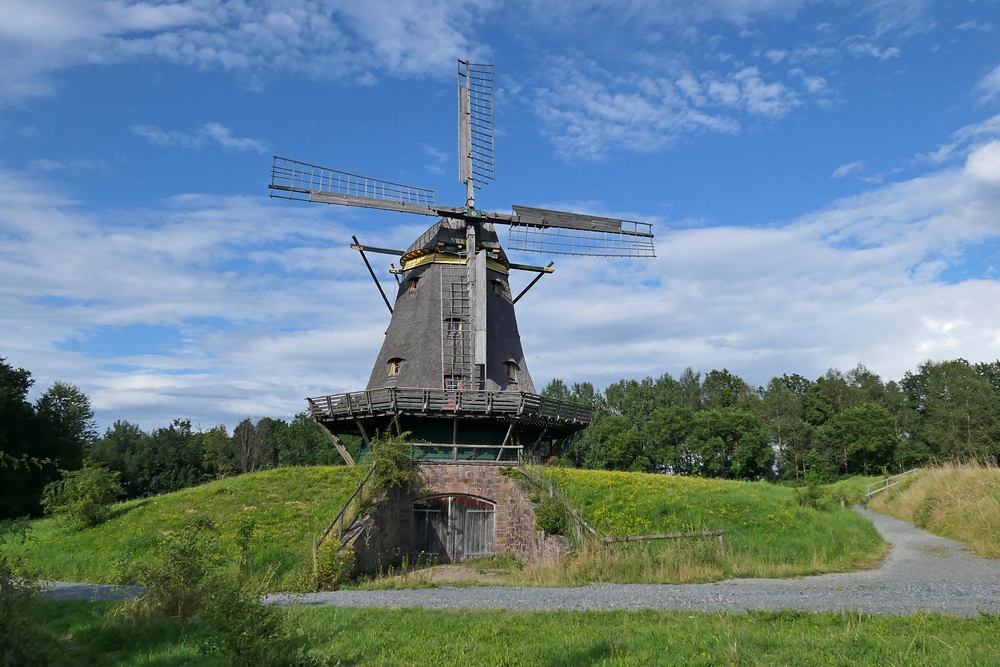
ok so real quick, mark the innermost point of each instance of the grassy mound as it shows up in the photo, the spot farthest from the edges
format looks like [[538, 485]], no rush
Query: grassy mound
[[768, 532], [290, 507], [957, 501]]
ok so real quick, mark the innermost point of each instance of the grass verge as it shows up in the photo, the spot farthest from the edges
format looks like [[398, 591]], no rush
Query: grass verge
[[960, 501], [86, 634], [288, 506], [768, 532]]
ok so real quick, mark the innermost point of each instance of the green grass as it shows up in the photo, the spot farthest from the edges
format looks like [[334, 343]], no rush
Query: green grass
[[768, 533], [290, 506], [88, 634]]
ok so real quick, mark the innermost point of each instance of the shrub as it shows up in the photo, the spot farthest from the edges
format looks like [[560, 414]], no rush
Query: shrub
[[393, 456], [550, 516], [333, 565], [242, 628], [82, 496], [183, 574], [21, 644]]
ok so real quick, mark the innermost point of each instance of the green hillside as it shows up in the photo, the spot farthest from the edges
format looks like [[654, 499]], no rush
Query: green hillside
[[960, 501], [768, 532], [289, 506]]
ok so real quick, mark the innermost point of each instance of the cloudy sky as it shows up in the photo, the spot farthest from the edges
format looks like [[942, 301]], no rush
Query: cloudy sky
[[823, 179]]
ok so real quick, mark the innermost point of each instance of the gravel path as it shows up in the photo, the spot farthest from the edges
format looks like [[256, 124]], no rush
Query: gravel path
[[922, 573]]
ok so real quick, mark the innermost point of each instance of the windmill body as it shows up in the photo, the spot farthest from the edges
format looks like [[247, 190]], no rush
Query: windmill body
[[433, 336], [451, 370]]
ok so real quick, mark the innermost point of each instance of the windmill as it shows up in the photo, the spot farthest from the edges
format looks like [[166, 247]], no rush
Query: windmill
[[451, 369]]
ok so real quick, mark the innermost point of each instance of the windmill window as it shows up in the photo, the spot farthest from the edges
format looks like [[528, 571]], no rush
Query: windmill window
[[413, 284], [454, 328], [394, 365], [453, 382], [512, 370], [497, 289]]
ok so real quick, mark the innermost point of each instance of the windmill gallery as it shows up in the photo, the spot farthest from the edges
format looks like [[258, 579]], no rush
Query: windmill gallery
[[451, 370]]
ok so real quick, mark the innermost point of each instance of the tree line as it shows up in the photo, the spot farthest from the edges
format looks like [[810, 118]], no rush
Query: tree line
[[57, 433], [842, 423]]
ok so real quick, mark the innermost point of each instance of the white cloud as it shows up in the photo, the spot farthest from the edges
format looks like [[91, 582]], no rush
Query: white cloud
[[319, 38], [963, 141], [974, 24], [257, 305], [845, 169], [589, 112], [988, 85], [983, 163], [213, 132], [866, 48]]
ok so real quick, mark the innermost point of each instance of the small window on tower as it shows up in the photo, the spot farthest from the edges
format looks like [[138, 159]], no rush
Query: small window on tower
[[512, 370], [413, 284], [394, 365], [453, 382], [454, 328], [497, 287]]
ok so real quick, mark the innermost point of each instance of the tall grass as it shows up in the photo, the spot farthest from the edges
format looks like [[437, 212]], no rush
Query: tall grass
[[288, 508], [768, 533], [960, 501]]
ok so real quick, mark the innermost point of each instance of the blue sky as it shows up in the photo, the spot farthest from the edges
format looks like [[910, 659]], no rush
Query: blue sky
[[823, 179]]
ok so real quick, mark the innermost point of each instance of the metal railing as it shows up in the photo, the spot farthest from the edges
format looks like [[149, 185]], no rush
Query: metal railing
[[393, 400], [887, 483], [349, 511]]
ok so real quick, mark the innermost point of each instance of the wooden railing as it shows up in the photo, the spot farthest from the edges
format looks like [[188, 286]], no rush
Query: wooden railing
[[393, 400], [887, 483], [583, 529]]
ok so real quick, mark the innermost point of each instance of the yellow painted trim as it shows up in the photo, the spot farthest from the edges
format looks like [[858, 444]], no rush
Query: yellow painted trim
[[413, 262]]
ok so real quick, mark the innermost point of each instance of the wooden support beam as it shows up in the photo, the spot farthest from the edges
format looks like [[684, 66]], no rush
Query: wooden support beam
[[532, 283], [344, 454], [360, 249], [364, 434]]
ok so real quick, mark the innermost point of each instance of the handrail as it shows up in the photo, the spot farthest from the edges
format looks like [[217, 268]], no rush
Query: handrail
[[397, 399], [608, 541], [887, 483], [343, 510]]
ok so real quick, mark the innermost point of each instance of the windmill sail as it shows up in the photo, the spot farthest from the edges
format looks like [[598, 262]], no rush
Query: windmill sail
[[291, 179], [561, 233], [476, 163]]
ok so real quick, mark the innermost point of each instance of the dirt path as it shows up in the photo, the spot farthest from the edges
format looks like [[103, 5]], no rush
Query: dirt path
[[923, 572]]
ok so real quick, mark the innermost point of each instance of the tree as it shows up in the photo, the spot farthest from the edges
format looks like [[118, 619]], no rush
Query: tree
[[784, 413], [122, 448], [959, 411], [253, 448], [665, 434], [610, 443], [859, 440], [722, 389], [731, 443], [69, 420], [303, 442]]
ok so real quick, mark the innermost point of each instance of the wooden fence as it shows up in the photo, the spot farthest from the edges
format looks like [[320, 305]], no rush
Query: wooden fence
[[887, 483], [583, 529]]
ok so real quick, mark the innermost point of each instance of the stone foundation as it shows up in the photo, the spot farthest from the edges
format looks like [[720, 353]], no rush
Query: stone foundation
[[383, 537]]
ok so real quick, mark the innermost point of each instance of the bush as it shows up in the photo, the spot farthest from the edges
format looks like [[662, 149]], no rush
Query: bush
[[242, 628], [21, 644], [176, 584], [333, 565], [82, 496], [550, 516], [393, 456]]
